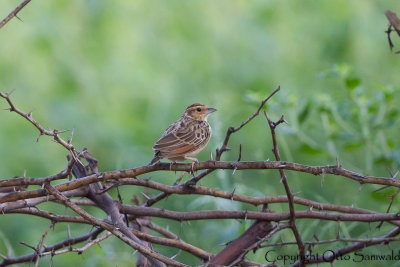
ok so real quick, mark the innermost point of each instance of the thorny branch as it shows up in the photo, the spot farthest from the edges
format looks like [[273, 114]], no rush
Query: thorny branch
[[54, 133], [14, 13], [17, 197], [292, 221]]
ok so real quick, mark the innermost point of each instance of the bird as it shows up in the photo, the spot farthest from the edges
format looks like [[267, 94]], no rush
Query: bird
[[186, 137]]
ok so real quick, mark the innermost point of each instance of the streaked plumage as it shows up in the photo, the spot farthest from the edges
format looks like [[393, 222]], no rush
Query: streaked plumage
[[186, 137]]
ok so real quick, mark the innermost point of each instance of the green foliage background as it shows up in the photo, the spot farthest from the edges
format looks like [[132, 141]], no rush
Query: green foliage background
[[120, 72]]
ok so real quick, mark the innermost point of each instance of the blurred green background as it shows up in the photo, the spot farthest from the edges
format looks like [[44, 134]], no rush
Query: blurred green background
[[119, 73]]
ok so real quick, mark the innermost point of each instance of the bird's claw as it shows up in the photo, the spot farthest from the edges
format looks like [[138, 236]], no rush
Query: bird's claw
[[172, 164], [192, 166]]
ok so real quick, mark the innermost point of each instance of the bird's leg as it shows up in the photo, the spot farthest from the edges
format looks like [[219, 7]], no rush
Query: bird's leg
[[172, 164], [193, 163]]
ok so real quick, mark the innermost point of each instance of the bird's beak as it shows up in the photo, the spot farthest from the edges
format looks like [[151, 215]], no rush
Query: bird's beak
[[210, 110]]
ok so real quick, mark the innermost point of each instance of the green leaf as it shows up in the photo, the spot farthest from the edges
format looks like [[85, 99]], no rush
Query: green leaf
[[310, 150], [344, 70], [392, 115], [353, 145], [382, 194], [383, 160], [352, 83], [304, 113]]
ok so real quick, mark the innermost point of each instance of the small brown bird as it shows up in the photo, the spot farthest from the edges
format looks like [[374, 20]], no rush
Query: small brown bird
[[186, 137]]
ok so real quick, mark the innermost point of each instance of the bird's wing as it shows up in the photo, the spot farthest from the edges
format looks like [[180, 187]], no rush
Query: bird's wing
[[176, 141]]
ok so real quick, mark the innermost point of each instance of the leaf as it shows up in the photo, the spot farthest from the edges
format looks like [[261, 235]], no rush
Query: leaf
[[383, 160], [352, 83], [304, 113], [310, 150], [353, 145], [382, 194], [392, 115], [344, 70]]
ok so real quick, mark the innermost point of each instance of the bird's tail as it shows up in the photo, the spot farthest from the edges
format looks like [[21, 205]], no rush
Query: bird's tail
[[156, 159]]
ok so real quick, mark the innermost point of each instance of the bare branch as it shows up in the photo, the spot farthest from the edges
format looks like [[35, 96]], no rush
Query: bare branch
[[350, 248], [152, 254], [40, 247], [14, 13], [238, 248], [292, 222], [224, 214], [208, 165], [68, 242], [54, 133]]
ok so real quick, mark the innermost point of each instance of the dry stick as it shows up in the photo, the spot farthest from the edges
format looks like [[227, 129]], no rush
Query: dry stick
[[14, 13], [25, 181], [152, 254], [202, 254], [78, 250], [54, 133], [256, 201], [42, 242], [32, 202], [335, 240], [146, 237], [292, 221], [107, 203], [204, 215], [50, 216], [11, 207], [55, 247], [150, 202], [238, 248], [201, 190], [219, 153], [151, 225], [83, 202], [392, 197], [110, 206], [348, 249], [256, 245], [225, 214], [174, 242], [208, 165]]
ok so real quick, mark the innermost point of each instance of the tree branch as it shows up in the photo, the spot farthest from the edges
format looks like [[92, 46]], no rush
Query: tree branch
[[224, 214], [292, 221], [153, 256], [14, 13], [243, 165]]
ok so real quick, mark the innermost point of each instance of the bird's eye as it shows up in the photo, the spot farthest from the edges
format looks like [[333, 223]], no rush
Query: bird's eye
[[198, 109]]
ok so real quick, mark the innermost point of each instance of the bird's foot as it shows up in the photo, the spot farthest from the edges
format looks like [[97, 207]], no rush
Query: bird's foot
[[172, 164], [195, 161]]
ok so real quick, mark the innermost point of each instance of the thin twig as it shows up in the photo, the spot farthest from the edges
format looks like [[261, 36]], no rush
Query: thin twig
[[40, 247], [265, 216], [292, 221], [142, 249], [54, 133], [14, 13]]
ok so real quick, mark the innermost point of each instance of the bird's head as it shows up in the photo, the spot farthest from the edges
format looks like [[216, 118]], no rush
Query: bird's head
[[198, 112]]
